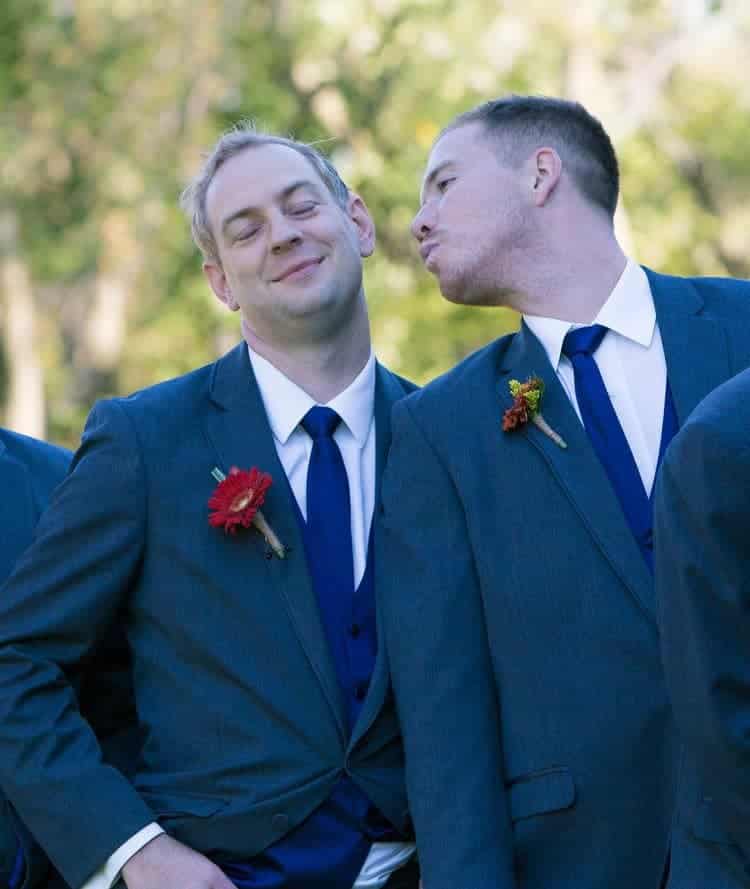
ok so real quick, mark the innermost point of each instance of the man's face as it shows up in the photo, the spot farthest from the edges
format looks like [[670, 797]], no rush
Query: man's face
[[474, 218], [290, 255]]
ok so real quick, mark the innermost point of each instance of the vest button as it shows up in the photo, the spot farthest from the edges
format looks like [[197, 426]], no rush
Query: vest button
[[360, 690], [354, 631], [280, 822]]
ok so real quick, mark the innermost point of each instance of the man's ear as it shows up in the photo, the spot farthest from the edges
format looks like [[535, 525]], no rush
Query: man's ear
[[360, 216], [219, 284], [545, 172]]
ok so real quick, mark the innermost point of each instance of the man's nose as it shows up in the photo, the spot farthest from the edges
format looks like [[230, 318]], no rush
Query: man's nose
[[422, 223], [284, 234]]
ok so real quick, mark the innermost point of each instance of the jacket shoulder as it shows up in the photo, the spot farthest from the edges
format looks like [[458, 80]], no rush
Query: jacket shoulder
[[449, 391], [725, 414], [45, 464], [168, 393], [402, 383], [725, 296], [38, 456], [163, 407]]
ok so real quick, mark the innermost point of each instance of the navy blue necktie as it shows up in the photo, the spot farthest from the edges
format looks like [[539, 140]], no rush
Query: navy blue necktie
[[328, 535], [605, 432]]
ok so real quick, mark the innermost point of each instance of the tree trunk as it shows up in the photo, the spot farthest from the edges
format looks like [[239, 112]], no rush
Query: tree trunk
[[103, 337], [25, 406]]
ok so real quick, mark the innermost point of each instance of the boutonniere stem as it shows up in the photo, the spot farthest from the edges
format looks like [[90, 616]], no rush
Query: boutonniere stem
[[237, 500], [527, 398]]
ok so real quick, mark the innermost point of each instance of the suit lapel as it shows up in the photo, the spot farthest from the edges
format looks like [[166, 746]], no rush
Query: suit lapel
[[14, 483], [388, 390], [241, 436], [695, 347], [577, 469]]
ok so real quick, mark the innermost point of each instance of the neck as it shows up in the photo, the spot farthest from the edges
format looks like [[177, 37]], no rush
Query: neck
[[574, 279], [324, 368]]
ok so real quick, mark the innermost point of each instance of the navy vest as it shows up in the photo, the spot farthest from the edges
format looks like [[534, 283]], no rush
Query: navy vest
[[328, 849]]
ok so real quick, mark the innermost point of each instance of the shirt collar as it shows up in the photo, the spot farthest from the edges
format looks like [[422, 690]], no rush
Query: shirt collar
[[286, 403], [629, 311]]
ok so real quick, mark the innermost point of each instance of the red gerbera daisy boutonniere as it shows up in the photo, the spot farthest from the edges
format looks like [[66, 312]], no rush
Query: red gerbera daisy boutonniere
[[237, 501], [527, 398]]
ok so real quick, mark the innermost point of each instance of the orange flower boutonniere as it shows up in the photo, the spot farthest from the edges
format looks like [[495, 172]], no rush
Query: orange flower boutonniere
[[527, 398]]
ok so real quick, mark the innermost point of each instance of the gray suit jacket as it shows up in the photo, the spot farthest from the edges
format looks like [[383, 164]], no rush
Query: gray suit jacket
[[522, 631]]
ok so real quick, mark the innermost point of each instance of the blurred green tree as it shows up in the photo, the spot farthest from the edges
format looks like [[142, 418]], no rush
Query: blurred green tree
[[106, 107]]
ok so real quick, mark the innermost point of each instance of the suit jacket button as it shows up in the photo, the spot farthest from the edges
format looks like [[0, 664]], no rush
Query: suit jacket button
[[280, 822]]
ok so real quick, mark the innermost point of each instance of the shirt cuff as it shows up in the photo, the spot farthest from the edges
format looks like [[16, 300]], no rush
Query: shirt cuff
[[108, 875]]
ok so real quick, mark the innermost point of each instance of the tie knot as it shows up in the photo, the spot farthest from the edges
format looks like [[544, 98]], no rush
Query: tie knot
[[320, 422], [583, 340]]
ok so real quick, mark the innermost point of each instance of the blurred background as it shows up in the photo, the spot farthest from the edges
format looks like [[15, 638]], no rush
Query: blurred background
[[106, 106]]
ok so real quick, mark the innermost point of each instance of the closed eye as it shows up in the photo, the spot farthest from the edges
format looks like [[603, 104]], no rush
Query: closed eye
[[247, 233], [302, 209]]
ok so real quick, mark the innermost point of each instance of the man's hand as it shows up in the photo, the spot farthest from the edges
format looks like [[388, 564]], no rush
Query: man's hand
[[166, 864]]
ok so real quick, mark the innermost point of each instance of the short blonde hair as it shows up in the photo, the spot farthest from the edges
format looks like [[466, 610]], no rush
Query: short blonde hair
[[240, 138]]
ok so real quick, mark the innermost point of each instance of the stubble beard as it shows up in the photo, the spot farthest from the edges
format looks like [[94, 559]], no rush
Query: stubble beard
[[483, 281]]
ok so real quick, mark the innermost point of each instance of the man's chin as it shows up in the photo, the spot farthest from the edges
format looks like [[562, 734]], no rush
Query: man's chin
[[455, 291], [462, 294], [324, 313], [450, 288]]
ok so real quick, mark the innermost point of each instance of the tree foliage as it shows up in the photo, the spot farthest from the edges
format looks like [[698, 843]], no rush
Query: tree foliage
[[105, 109]]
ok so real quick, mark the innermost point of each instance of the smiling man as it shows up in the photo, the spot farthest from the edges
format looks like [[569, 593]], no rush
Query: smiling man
[[540, 745], [272, 756]]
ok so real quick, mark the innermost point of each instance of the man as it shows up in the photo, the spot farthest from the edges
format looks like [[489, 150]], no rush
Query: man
[[702, 521], [539, 742], [29, 471], [272, 756]]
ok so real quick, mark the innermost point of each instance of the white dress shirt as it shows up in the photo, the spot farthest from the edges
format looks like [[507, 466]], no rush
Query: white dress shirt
[[286, 404], [630, 360]]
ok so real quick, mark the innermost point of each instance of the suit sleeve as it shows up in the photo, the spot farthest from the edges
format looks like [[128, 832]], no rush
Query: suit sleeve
[[441, 668], [22, 864], [702, 553], [63, 595]]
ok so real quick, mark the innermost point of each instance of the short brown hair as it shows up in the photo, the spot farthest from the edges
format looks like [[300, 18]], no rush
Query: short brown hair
[[241, 137], [579, 138]]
